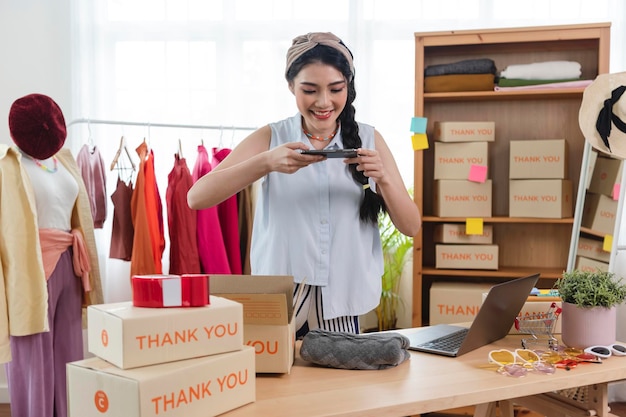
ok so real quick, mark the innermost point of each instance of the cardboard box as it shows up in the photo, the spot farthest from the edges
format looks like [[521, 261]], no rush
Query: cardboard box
[[462, 198], [455, 302], [540, 198], [538, 159], [459, 302], [606, 173], [599, 213], [268, 316], [199, 387], [453, 161], [592, 249], [466, 256], [455, 233], [590, 265], [536, 308], [129, 336], [459, 131]]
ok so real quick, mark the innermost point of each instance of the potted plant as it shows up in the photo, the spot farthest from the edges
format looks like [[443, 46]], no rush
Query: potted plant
[[589, 312], [396, 251]]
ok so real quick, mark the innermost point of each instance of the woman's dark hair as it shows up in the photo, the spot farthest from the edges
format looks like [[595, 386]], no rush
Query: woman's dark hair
[[372, 204]]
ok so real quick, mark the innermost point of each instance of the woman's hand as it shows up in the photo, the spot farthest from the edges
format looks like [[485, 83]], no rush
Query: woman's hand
[[369, 162], [287, 158]]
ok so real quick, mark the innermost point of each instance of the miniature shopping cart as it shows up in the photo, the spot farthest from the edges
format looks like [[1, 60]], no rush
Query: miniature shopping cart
[[540, 326]]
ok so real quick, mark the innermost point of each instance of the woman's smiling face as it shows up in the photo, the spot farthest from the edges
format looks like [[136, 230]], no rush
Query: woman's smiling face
[[321, 93]]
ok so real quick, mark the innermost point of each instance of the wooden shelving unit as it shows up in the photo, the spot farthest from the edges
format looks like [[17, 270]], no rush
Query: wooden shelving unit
[[526, 245]]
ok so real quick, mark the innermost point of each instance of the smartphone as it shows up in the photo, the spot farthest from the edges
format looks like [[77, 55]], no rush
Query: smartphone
[[332, 153]]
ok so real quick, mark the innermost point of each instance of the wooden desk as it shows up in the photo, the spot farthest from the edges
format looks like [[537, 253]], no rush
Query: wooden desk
[[423, 384]]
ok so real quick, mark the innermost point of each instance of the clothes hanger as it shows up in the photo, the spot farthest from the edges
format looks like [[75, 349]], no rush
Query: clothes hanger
[[121, 148], [180, 150], [90, 143]]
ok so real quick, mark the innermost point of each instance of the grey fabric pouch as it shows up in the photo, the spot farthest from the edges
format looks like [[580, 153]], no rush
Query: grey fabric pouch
[[354, 351]]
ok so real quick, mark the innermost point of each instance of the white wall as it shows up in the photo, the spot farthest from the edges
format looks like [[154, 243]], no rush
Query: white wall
[[35, 45]]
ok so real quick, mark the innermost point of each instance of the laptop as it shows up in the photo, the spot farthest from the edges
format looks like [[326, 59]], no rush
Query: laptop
[[493, 321]]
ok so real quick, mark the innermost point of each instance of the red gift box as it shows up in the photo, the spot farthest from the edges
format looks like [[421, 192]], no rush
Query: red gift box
[[187, 290]]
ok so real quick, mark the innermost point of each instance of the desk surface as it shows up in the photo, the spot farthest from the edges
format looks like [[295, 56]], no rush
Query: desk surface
[[425, 383]]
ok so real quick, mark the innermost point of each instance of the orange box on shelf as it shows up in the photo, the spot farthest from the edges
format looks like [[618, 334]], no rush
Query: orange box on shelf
[[460, 131], [453, 161], [540, 198], [599, 213], [538, 159], [462, 198], [455, 233], [466, 256]]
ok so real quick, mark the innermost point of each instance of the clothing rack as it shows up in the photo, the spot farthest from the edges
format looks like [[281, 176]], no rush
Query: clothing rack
[[148, 124]]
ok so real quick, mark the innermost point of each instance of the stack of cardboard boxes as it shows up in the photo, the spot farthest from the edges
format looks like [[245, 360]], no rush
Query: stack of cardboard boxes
[[538, 184], [177, 361], [600, 211], [462, 189]]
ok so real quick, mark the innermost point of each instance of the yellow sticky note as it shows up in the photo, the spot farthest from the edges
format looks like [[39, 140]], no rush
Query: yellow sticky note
[[473, 226], [420, 141], [607, 245]]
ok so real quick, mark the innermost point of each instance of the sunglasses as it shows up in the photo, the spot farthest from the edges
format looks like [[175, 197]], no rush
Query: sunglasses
[[519, 362], [568, 358], [606, 351]]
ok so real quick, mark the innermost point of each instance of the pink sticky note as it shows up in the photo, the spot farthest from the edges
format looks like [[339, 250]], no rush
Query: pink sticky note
[[477, 173], [616, 188]]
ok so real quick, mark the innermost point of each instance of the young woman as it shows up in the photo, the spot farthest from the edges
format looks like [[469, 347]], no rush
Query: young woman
[[316, 217]]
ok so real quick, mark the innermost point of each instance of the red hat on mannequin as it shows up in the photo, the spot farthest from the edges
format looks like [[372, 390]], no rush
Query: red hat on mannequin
[[37, 125]]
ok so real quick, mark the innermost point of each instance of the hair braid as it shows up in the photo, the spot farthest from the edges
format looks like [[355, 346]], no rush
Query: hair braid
[[372, 203]]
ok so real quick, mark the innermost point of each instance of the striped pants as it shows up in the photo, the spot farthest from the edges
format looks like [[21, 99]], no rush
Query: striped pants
[[309, 314]]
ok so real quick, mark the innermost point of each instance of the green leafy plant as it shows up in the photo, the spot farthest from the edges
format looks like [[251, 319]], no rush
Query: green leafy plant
[[396, 248], [591, 289]]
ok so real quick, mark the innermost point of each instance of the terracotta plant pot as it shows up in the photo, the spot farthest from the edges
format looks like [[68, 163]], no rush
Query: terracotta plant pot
[[584, 327]]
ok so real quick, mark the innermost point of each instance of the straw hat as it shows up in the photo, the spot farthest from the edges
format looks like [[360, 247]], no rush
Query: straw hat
[[602, 115]]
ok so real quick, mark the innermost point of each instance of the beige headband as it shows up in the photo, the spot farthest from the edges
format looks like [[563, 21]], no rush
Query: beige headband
[[304, 43]]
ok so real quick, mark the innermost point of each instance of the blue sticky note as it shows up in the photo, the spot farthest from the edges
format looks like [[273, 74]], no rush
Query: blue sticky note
[[418, 124]]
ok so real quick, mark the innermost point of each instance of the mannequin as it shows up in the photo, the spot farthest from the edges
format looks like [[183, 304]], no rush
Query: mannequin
[[68, 259]]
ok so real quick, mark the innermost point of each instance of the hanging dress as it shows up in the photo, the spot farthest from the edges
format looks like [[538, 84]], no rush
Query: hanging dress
[[211, 249], [147, 243], [227, 212], [91, 165], [182, 221]]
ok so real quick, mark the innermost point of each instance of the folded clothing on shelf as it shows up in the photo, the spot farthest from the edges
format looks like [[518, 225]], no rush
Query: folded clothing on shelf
[[468, 66], [547, 70]]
